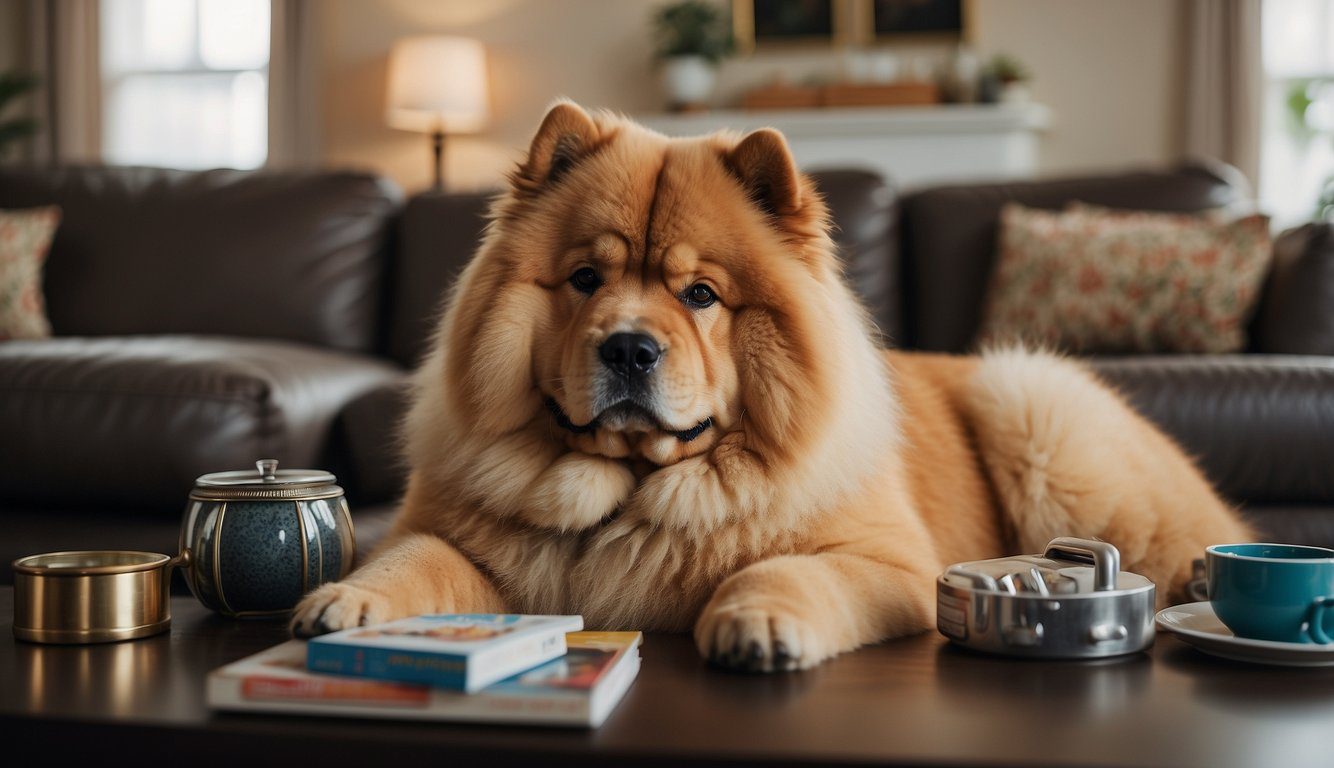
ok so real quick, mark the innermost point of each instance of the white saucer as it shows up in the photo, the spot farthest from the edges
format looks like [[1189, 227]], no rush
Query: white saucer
[[1196, 624]]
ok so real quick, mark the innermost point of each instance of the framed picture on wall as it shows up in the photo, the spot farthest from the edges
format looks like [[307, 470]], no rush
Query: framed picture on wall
[[769, 23], [910, 20]]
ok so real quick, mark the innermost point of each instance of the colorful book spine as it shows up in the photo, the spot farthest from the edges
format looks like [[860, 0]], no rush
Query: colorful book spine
[[470, 672]]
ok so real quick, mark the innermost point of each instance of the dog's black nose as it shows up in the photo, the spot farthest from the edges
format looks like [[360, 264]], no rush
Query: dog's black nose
[[630, 354]]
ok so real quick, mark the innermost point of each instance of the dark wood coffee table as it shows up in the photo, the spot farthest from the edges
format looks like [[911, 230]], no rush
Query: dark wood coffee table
[[914, 701]]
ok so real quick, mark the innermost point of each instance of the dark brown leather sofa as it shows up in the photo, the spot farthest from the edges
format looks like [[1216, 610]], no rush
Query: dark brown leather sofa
[[204, 320]]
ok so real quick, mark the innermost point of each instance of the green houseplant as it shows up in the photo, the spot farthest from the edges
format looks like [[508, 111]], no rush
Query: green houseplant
[[691, 37], [1011, 77], [13, 85]]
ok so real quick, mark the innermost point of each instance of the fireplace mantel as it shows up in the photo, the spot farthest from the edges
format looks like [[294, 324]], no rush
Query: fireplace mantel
[[912, 146]]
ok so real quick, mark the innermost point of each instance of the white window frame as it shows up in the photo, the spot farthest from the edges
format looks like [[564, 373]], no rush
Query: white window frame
[[194, 68]]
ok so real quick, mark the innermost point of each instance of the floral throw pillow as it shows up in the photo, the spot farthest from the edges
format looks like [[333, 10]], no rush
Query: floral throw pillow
[[25, 238], [1097, 280]]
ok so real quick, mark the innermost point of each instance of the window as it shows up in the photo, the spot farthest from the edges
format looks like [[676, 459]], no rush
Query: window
[[185, 82], [1297, 123]]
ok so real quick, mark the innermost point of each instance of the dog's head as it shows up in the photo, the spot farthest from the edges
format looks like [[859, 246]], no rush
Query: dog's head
[[644, 295]]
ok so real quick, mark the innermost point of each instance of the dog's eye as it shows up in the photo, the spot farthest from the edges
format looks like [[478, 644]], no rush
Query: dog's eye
[[585, 280], [699, 295]]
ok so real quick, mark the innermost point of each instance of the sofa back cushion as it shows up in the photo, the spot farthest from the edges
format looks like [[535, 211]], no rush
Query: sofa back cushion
[[1095, 280], [949, 236], [295, 256], [1297, 313], [438, 233]]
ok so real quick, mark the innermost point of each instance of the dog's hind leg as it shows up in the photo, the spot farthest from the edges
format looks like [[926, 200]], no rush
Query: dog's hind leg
[[1068, 457]]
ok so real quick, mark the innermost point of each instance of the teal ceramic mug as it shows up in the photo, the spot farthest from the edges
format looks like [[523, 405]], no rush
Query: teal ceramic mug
[[1281, 592]]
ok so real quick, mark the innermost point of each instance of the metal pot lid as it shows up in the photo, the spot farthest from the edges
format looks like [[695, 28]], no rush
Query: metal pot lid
[[267, 476], [1070, 567]]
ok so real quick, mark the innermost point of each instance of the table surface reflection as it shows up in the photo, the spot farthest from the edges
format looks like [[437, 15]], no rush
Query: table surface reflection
[[911, 701]]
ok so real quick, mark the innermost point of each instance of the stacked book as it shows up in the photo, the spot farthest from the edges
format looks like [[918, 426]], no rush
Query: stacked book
[[464, 667]]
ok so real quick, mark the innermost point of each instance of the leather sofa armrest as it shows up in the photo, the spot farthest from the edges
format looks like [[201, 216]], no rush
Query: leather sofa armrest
[[1296, 312], [132, 421]]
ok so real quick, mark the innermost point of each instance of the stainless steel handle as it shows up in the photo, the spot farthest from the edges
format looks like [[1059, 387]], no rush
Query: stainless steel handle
[[1105, 559]]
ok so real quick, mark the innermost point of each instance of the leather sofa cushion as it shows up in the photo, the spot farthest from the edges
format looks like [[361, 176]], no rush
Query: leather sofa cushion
[[949, 236], [864, 210], [1260, 426], [1297, 313], [284, 255], [133, 421], [438, 233], [367, 439]]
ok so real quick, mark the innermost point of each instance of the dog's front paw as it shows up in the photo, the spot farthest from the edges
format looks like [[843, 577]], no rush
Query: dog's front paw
[[748, 635], [338, 606]]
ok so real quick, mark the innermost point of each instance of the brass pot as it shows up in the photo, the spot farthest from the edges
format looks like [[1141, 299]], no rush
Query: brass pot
[[92, 596], [253, 542]]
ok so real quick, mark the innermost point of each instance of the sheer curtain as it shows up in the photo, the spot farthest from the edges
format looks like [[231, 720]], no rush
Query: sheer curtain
[[294, 103], [1224, 82], [64, 53]]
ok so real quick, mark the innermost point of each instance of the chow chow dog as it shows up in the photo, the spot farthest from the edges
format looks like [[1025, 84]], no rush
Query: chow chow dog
[[653, 400]]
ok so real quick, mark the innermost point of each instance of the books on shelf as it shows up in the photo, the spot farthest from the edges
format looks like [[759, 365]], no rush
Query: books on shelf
[[578, 689], [466, 651]]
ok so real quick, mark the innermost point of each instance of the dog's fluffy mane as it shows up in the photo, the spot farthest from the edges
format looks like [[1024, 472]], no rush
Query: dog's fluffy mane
[[816, 412]]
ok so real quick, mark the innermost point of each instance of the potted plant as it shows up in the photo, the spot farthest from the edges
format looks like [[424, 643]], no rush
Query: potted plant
[[14, 85], [1012, 77], [692, 38]]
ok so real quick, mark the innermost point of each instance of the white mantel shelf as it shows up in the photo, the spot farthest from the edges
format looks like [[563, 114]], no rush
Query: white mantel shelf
[[912, 146]]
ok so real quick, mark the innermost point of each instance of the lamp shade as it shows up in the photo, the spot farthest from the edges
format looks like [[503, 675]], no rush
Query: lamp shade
[[437, 83]]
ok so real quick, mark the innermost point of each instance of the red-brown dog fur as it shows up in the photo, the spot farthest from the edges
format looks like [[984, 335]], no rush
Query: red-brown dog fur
[[836, 481]]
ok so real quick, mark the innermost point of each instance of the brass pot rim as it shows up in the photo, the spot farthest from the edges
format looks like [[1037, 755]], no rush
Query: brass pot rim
[[151, 561]]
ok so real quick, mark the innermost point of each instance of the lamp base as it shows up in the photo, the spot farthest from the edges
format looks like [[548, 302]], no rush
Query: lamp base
[[438, 150]]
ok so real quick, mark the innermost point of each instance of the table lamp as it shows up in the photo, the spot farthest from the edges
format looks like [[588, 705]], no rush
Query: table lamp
[[437, 85]]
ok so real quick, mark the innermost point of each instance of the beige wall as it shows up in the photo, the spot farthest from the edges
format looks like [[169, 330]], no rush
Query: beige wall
[[1109, 71]]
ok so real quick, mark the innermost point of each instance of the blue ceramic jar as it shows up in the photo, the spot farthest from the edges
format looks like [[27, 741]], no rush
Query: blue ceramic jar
[[258, 541]]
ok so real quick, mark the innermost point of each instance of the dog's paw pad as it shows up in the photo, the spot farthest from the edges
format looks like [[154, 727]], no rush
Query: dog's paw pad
[[754, 639], [337, 606]]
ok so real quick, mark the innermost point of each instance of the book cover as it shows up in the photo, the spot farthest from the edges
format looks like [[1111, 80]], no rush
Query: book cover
[[578, 689], [466, 651]]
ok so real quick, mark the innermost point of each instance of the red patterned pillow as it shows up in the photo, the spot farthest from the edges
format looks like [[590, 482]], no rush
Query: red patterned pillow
[[25, 237], [1096, 280]]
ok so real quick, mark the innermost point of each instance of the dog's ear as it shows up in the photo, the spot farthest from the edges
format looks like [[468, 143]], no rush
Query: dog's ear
[[567, 135], [764, 165]]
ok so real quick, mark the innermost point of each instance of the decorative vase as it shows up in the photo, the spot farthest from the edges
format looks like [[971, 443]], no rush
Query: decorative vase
[[688, 81], [1015, 92], [259, 540]]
